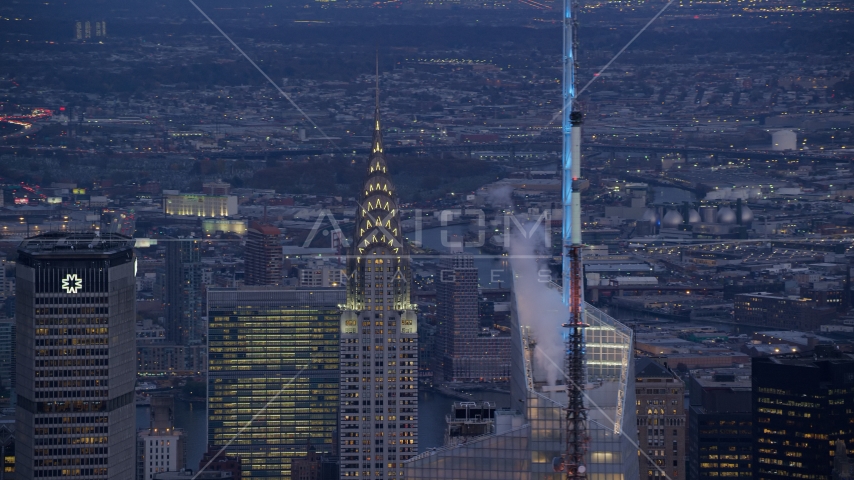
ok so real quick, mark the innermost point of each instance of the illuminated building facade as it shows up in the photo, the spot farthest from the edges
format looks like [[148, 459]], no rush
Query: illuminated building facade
[[263, 255], [801, 408], [183, 290], [76, 368], [193, 205], [211, 226], [269, 345], [379, 339], [469, 353], [720, 433], [661, 420]]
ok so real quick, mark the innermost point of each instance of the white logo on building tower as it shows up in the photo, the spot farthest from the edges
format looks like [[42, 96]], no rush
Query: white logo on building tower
[[72, 283]]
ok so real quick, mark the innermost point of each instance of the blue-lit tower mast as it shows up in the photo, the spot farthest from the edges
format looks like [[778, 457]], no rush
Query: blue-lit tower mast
[[573, 292]]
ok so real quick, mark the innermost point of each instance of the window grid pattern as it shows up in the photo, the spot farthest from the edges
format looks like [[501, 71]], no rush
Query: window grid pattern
[[260, 340]]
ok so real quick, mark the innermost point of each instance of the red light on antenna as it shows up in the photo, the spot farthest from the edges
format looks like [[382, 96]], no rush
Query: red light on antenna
[[61, 109]]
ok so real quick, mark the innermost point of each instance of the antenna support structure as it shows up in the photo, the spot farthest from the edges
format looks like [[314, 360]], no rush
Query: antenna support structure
[[573, 461]]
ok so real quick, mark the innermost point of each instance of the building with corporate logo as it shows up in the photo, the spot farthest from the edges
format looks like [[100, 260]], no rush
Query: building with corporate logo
[[76, 358]]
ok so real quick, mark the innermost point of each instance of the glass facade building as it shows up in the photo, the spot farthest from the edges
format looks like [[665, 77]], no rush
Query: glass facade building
[[76, 362], [720, 433], [527, 452], [801, 411], [503, 456], [183, 290], [273, 348]]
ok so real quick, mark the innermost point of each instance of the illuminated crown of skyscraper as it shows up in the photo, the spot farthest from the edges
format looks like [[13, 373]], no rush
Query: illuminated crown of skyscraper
[[378, 241]]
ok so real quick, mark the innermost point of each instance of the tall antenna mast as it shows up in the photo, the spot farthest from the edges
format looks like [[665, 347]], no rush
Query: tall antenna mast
[[573, 295]]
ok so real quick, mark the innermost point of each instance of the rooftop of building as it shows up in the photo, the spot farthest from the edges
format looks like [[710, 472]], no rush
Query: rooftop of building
[[821, 353], [775, 296], [264, 229], [64, 243], [800, 338], [649, 368], [724, 380]]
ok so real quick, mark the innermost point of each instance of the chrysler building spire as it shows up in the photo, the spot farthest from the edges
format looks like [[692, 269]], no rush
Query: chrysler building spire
[[378, 237], [377, 140]]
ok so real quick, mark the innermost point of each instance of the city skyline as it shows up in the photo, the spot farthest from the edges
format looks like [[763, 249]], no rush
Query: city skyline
[[469, 282]]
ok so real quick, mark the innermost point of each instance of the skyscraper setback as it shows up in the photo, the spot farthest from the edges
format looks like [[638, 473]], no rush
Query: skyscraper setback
[[263, 255], [379, 340], [469, 353], [76, 365]]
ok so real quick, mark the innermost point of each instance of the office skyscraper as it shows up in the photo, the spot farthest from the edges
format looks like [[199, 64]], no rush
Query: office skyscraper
[[379, 339], [720, 436], [183, 290], [263, 341], [801, 408], [76, 365], [263, 255], [661, 420], [469, 353]]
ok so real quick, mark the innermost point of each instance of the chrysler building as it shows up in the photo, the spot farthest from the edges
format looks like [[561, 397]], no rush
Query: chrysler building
[[378, 428]]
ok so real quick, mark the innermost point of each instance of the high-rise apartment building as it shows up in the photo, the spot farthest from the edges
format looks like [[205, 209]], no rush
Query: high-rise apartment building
[[379, 339], [263, 259], [76, 365], [160, 447], [720, 435], [469, 353], [801, 408], [661, 421], [171, 359], [275, 349], [317, 273], [183, 290]]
